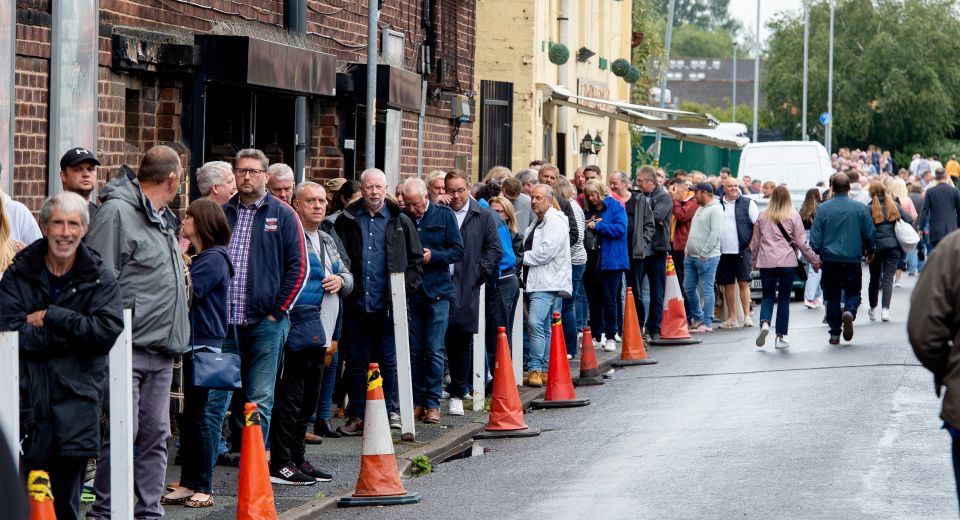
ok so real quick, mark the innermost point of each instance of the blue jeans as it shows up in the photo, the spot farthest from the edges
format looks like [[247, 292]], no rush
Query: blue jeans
[[428, 325], [569, 315], [501, 308], [368, 338], [326, 388], [702, 273], [812, 289], [580, 295], [539, 314], [913, 259], [259, 347], [653, 269], [777, 286]]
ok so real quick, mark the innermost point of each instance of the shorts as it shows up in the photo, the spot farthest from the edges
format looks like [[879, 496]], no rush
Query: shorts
[[733, 268]]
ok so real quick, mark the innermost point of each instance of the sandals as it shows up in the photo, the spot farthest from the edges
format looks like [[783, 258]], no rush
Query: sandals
[[199, 503]]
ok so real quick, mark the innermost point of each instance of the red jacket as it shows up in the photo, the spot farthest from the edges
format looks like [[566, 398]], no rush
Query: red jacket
[[682, 217]]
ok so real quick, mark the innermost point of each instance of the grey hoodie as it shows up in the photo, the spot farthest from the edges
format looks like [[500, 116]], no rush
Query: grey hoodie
[[141, 249]]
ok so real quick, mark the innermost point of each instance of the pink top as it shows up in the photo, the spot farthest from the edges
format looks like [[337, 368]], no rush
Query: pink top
[[769, 248]]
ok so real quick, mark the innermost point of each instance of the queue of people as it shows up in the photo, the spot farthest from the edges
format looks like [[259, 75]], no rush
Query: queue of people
[[294, 281]]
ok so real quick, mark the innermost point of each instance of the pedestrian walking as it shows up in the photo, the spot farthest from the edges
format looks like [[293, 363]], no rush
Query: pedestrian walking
[[607, 218], [380, 241], [897, 189], [734, 272], [778, 237], [481, 258], [842, 234], [268, 252], [812, 292], [546, 258], [65, 302], [702, 256], [655, 264], [429, 307], [933, 334], [884, 212], [138, 244], [941, 209], [205, 226], [302, 366]]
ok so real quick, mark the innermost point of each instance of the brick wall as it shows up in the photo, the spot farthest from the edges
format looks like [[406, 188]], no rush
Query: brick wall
[[32, 84], [324, 159]]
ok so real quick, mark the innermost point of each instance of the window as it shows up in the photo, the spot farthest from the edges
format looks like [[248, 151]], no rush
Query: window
[[443, 38], [131, 127]]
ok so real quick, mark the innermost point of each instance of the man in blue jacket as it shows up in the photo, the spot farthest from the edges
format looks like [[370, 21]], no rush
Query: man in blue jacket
[[429, 307], [842, 234], [270, 268]]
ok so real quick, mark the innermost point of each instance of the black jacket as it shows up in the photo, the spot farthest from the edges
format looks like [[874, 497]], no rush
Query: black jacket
[[70, 350], [941, 209], [662, 205], [404, 252], [571, 219], [481, 258], [886, 234], [640, 227]]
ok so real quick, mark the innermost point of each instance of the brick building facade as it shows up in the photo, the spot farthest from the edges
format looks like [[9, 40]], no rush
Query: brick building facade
[[166, 75]]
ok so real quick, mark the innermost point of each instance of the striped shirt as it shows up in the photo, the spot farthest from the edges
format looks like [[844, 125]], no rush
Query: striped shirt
[[239, 250]]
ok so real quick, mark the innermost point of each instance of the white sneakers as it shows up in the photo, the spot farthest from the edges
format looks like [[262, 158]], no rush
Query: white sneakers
[[610, 346], [873, 314], [456, 406], [762, 336], [781, 343], [885, 315]]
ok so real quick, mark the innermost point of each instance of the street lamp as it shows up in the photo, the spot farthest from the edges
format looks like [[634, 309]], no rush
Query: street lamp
[[586, 145], [734, 82], [597, 143]]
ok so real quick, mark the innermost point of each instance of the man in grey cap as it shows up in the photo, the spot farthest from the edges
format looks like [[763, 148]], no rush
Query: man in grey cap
[[78, 173], [703, 256]]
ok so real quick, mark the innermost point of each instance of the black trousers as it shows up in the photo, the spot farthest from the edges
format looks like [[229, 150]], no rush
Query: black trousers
[[66, 484], [460, 357], [195, 437], [295, 402]]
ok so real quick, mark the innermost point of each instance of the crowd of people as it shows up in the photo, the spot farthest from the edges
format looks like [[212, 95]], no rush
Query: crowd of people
[[294, 282]]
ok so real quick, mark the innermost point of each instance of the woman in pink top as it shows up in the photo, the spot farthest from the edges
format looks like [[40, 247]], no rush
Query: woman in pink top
[[777, 236]]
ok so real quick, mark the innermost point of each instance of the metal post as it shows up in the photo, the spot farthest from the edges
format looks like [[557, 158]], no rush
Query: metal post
[[663, 77], [10, 387], [121, 423], [423, 110], [516, 352], [401, 334], [300, 139], [734, 101], [806, 53], [756, 78], [828, 138], [370, 151], [480, 354]]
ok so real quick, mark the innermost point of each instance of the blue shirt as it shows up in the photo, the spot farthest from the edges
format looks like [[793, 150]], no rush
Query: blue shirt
[[376, 285]]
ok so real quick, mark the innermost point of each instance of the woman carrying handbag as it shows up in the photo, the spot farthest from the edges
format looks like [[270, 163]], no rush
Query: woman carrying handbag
[[777, 237], [885, 214], [205, 226]]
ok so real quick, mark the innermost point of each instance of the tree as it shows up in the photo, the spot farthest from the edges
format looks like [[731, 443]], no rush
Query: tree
[[650, 28], [895, 82], [690, 41], [704, 14]]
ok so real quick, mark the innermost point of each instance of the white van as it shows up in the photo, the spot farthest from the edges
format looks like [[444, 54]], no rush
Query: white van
[[798, 164]]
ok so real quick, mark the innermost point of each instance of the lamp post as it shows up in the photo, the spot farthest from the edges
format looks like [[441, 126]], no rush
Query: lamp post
[[734, 82], [663, 76], [806, 52], [756, 77], [370, 137], [828, 133]]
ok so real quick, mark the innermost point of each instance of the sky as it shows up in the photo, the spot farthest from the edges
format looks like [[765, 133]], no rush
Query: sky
[[746, 12]]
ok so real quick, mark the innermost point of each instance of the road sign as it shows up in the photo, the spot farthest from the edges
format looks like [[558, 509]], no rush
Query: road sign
[[825, 118]]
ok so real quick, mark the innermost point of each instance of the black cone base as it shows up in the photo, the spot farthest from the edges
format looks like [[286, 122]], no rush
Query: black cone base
[[568, 403], [505, 434], [633, 362], [679, 341], [588, 381], [396, 500]]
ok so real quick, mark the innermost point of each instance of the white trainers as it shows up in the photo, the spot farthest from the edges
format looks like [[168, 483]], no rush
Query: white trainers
[[873, 314], [617, 338], [885, 314], [898, 284], [610, 346], [456, 406], [762, 335], [781, 343], [444, 394]]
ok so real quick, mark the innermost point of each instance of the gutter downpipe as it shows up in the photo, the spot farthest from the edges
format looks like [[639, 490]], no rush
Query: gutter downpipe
[[295, 18]]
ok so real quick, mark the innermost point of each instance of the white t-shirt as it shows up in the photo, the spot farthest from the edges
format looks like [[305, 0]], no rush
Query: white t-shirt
[[330, 307], [729, 241]]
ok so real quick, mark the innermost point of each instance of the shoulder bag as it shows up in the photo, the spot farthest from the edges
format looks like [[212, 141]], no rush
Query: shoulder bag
[[801, 270], [215, 370], [906, 235]]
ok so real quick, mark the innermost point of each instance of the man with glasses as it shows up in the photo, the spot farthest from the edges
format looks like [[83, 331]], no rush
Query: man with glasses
[[270, 267]]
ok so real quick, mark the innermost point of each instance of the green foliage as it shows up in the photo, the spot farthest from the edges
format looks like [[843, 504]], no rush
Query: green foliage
[[620, 67], [895, 83], [558, 54], [651, 28], [704, 14], [690, 41], [421, 466]]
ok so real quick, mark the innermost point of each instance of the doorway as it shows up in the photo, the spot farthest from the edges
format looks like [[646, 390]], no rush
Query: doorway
[[241, 117]]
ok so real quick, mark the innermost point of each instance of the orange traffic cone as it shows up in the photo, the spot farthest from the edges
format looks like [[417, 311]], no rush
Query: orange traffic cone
[[673, 327], [589, 372], [632, 352], [506, 410], [254, 493], [40, 496], [560, 392], [379, 481]]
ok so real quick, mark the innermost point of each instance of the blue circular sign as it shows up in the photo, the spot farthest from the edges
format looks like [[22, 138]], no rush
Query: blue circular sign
[[824, 118]]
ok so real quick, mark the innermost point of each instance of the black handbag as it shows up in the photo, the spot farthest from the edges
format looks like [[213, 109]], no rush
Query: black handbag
[[214, 370], [306, 328], [801, 269]]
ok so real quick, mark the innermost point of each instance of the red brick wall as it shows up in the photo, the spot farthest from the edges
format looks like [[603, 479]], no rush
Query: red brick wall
[[32, 83]]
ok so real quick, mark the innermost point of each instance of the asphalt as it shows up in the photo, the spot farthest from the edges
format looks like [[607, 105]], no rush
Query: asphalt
[[723, 430]]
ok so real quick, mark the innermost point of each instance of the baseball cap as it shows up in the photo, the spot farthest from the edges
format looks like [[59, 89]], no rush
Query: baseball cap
[[75, 156], [334, 184], [704, 186]]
